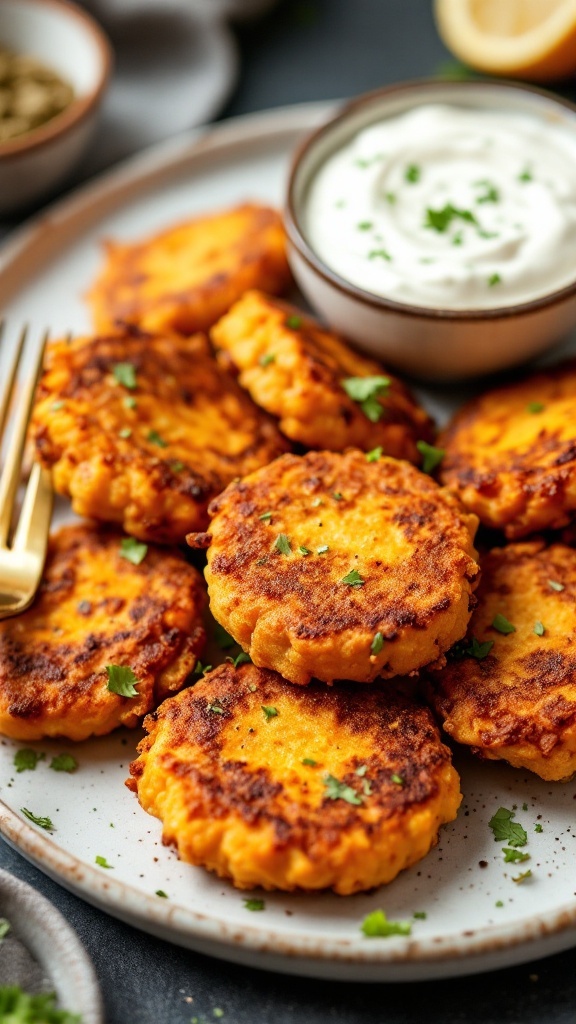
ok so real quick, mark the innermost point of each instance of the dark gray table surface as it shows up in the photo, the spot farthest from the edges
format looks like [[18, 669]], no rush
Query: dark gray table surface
[[319, 49]]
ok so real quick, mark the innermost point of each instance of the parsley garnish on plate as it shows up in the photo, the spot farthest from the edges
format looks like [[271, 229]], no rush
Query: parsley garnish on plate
[[266, 517], [44, 823], [397, 779], [490, 193], [505, 830], [282, 544], [294, 322], [25, 760], [18, 1007], [176, 466], [125, 374], [121, 680], [377, 643], [535, 407], [160, 892], [125, 433], [366, 391], [413, 173], [514, 856], [130, 402], [554, 585], [440, 220], [64, 763], [322, 549], [381, 254], [431, 456], [240, 659], [365, 225], [267, 359], [500, 623], [336, 790], [353, 579], [523, 877], [539, 628], [200, 669], [269, 711], [494, 279], [309, 761], [525, 175], [132, 550], [254, 904], [103, 863], [4, 928], [473, 649], [304, 551], [377, 926], [215, 709], [538, 827], [420, 915]]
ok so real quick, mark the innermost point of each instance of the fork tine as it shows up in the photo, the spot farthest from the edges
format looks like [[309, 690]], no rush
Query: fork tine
[[31, 533], [10, 478], [10, 376]]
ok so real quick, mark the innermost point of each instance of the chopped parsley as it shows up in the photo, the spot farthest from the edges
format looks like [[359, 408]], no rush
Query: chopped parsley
[[64, 763], [266, 359], [130, 402], [522, 877], [18, 1007], [361, 771], [133, 550], [56, 406], [397, 779], [176, 466], [337, 496], [266, 517], [44, 823], [379, 254], [490, 193], [282, 544], [500, 622], [539, 628], [420, 915], [440, 220], [353, 579], [154, 438], [494, 279], [309, 761], [554, 585], [269, 711], [222, 638], [294, 322], [25, 760], [316, 502], [391, 198], [322, 549], [431, 456], [506, 830], [458, 238], [377, 926], [366, 391], [375, 454], [365, 225], [103, 863], [525, 175], [125, 374], [160, 892], [336, 790], [125, 433], [4, 928], [413, 173], [121, 680], [499, 903], [215, 709], [377, 643], [304, 551], [254, 904], [514, 856], [240, 659], [475, 649], [538, 827], [200, 669], [535, 407]]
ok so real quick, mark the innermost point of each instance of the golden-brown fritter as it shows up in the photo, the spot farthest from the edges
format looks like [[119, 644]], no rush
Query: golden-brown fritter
[[331, 566], [144, 431], [516, 700], [296, 369], [186, 277], [511, 453], [96, 608], [274, 785]]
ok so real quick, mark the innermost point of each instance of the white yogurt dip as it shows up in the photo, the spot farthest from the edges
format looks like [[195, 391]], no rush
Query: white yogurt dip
[[450, 207]]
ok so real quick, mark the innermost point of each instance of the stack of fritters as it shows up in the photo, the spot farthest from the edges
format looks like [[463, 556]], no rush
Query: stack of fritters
[[333, 562]]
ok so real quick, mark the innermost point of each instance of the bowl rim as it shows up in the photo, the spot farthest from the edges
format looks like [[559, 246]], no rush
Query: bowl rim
[[307, 253], [79, 108]]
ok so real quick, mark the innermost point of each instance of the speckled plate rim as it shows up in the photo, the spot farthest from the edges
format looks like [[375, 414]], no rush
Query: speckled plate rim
[[483, 949]]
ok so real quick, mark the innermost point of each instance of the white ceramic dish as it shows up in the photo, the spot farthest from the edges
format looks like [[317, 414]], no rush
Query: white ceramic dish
[[43, 272], [67, 40], [54, 946], [434, 344]]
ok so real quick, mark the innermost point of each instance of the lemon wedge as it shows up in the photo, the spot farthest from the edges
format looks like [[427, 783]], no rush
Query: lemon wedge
[[533, 39]]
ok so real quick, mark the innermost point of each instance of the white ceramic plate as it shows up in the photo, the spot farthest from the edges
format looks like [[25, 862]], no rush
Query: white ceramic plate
[[43, 273]]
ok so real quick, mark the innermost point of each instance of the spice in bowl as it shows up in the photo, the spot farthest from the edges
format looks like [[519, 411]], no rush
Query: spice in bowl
[[30, 94]]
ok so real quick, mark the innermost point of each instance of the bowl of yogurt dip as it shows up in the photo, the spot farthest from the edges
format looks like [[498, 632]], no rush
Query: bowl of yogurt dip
[[434, 224]]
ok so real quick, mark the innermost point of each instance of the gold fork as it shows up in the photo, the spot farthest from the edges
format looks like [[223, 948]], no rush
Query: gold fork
[[22, 554]]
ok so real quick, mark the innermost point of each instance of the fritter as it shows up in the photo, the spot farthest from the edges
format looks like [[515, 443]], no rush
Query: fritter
[[511, 453], [185, 278], [274, 785], [332, 566], [96, 608], [509, 690], [144, 431], [299, 371]]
